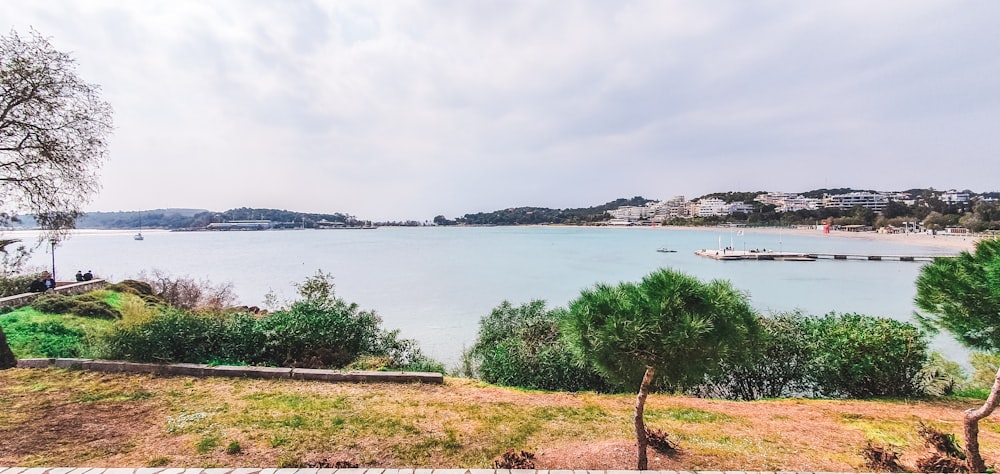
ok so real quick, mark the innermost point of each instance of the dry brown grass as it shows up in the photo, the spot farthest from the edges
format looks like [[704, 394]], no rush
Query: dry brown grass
[[58, 417]]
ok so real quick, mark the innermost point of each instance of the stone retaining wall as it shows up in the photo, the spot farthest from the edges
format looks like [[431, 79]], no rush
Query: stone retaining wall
[[204, 370], [63, 288]]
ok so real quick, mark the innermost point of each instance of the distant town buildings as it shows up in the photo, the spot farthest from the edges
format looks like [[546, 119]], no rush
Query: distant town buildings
[[678, 207]]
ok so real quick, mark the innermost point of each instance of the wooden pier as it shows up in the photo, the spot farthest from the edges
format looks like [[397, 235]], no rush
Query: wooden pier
[[729, 254], [901, 258]]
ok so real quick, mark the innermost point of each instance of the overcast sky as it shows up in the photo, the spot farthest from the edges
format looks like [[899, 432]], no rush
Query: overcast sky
[[410, 109]]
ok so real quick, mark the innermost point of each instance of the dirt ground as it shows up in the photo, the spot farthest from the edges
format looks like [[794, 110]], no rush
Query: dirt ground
[[52, 417]]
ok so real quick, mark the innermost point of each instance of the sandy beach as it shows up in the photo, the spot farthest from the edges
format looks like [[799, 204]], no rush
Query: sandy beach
[[957, 243]]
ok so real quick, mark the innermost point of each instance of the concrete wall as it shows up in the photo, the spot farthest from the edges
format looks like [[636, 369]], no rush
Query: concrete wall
[[204, 370]]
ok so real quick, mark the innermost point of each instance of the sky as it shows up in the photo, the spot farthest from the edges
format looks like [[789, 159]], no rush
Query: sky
[[400, 110]]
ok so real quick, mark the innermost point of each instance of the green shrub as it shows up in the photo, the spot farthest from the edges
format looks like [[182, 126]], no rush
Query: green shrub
[[234, 448], [310, 334], [54, 303], [941, 377], [138, 288], [861, 356], [242, 339], [172, 336], [87, 305], [984, 369], [17, 284], [775, 362], [523, 346], [321, 331], [135, 287], [847, 355], [96, 309]]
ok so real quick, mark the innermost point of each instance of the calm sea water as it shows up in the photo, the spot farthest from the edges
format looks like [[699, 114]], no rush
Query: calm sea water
[[434, 284]]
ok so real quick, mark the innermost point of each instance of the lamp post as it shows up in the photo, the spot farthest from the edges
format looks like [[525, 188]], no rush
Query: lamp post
[[53, 242]]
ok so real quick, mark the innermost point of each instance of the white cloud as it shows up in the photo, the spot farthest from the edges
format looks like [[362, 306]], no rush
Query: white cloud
[[410, 109]]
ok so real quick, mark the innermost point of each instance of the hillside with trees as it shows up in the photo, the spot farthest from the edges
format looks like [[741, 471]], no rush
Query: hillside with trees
[[543, 215], [182, 219]]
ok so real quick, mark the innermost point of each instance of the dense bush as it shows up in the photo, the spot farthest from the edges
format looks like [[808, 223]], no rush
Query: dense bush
[[861, 356], [173, 336], [319, 331], [522, 346], [848, 355], [313, 334], [774, 364], [795, 354]]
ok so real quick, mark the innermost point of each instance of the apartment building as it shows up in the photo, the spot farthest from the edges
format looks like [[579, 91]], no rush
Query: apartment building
[[788, 202], [873, 201]]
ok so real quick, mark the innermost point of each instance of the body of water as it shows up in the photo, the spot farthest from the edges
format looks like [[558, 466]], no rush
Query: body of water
[[434, 284]]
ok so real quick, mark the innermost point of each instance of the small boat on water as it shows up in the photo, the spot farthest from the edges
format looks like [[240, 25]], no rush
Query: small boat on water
[[138, 235], [666, 250]]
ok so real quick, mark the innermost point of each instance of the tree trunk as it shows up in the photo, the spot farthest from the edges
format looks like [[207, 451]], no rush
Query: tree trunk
[[640, 426], [972, 457], [7, 359]]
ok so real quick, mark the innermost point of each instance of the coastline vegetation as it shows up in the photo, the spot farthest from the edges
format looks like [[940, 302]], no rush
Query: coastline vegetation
[[132, 321], [592, 352]]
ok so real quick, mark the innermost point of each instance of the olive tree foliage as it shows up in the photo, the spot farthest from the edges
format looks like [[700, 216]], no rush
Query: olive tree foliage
[[669, 324], [54, 130], [962, 296], [522, 346]]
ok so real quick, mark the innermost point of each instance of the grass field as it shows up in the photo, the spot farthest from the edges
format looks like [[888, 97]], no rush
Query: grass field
[[56, 417], [34, 334]]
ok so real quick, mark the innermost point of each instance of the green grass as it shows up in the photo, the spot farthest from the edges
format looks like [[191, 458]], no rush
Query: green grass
[[687, 415], [206, 444], [33, 334], [883, 431]]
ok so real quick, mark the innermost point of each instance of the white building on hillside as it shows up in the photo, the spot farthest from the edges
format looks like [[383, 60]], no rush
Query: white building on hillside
[[788, 202], [952, 196], [677, 207], [873, 201], [717, 207]]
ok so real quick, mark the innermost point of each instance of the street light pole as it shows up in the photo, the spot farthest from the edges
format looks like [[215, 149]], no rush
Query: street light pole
[[53, 242]]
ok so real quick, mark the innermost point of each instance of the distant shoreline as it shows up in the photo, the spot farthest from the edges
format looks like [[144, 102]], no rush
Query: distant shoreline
[[957, 243], [942, 241]]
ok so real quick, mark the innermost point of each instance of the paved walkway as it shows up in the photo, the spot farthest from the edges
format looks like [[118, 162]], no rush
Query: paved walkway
[[245, 470]]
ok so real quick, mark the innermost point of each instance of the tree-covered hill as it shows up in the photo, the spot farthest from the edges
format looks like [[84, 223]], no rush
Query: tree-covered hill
[[542, 215], [175, 219], [734, 196]]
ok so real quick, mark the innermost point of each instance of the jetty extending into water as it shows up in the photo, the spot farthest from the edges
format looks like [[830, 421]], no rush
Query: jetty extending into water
[[730, 254]]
